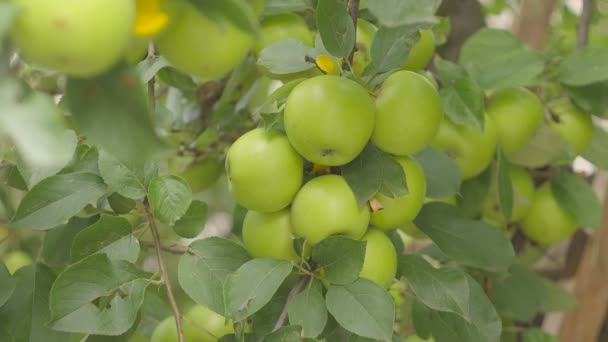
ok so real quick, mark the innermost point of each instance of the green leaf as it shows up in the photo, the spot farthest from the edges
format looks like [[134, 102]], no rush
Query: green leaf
[[473, 192], [307, 309], [112, 110], [12, 177], [24, 316], [441, 173], [497, 59], [287, 56], [544, 148], [335, 27], [177, 79], [449, 327], [393, 13], [121, 205], [391, 47], [97, 296], [591, 98], [110, 235], [149, 67], [249, 288], [363, 308], [374, 171], [584, 66], [85, 159], [421, 318], [55, 199], [559, 299], [505, 187], [463, 102], [8, 13], [7, 284], [193, 221], [282, 92], [473, 243], [266, 318], [578, 199], [290, 333], [520, 295], [341, 258], [273, 121], [127, 178], [274, 7], [596, 152], [238, 13], [448, 71], [537, 335], [170, 198], [203, 270], [58, 241]]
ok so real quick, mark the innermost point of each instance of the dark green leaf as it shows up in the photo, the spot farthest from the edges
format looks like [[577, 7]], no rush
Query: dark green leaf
[[470, 242], [125, 178], [110, 235], [390, 48], [112, 110], [273, 121], [341, 258], [55, 199], [193, 221], [307, 309], [591, 98], [7, 284], [421, 317], [13, 178], [58, 241], [449, 327], [448, 71], [497, 59], [463, 102], [559, 299], [287, 56], [363, 308], [85, 159], [335, 27], [520, 295], [174, 78], [121, 205], [203, 270], [281, 93], [441, 173], [505, 187], [97, 296], [596, 152], [584, 66], [239, 13], [290, 333], [266, 318], [401, 12], [578, 199], [473, 193], [374, 171], [170, 198]]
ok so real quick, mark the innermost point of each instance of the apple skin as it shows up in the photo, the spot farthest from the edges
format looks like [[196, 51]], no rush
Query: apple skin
[[365, 35], [401, 210], [421, 53], [408, 114], [201, 317], [380, 262], [523, 196], [471, 150], [546, 222], [416, 338], [202, 174], [15, 260], [200, 46], [281, 27], [517, 113], [78, 38], [329, 119], [327, 206], [572, 125], [264, 171], [269, 235]]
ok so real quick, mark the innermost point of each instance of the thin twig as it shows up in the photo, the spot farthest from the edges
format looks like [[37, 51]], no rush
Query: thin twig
[[290, 296], [353, 11], [584, 22], [172, 250]]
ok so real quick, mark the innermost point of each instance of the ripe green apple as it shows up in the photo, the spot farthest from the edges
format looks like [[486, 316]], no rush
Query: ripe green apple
[[264, 171], [472, 150], [326, 206], [408, 114], [572, 125], [202, 46], [202, 174], [421, 53], [546, 222], [281, 27], [15, 260], [517, 113], [380, 262], [79, 38], [329, 119], [523, 196], [365, 36], [401, 210], [200, 325], [269, 235]]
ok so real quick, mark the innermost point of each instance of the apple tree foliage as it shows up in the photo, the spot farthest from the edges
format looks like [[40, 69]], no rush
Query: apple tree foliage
[[105, 175]]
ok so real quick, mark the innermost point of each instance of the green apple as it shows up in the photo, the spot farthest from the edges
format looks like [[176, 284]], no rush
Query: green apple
[[329, 119], [15, 260], [401, 210], [79, 38], [202, 174], [365, 36], [269, 235], [416, 338], [421, 53], [517, 113], [523, 196], [199, 325], [408, 114], [572, 125], [380, 262], [546, 222], [264, 171], [136, 51], [281, 27], [428, 75], [201, 46], [472, 150], [326, 206]]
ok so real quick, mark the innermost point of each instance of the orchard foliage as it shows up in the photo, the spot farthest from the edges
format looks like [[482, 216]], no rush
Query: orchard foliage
[[334, 141]]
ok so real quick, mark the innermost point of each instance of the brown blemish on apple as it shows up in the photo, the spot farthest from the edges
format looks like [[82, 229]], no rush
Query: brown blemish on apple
[[375, 205]]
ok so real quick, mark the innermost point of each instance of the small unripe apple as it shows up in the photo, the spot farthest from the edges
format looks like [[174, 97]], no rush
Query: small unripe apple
[[281, 27], [15, 260], [200, 325], [202, 174], [326, 206], [572, 125], [380, 263], [421, 53], [365, 35], [269, 235]]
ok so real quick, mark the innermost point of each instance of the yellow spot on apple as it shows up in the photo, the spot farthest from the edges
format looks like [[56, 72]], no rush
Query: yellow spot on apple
[[150, 18], [326, 64]]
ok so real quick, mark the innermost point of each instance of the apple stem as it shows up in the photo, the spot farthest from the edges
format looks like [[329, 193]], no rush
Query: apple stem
[[290, 296], [353, 11], [582, 29]]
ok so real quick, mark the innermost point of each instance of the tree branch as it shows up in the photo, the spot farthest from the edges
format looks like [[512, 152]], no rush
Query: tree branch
[[172, 250], [584, 22], [353, 11], [290, 296]]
